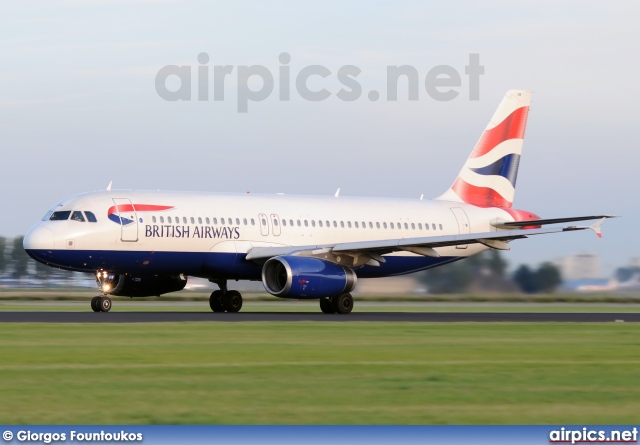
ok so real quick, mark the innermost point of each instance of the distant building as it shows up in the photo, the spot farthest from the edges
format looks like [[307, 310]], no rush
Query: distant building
[[582, 266]]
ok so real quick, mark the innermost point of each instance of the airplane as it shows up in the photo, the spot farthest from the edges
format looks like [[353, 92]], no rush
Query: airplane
[[147, 243]]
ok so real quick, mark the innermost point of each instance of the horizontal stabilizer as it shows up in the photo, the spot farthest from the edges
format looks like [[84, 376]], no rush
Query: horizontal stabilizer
[[542, 222]]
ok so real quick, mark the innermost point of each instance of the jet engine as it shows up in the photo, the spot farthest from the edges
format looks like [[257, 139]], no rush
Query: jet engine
[[303, 277]]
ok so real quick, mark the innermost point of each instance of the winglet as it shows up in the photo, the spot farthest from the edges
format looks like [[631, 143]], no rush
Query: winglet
[[337, 192], [109, 186], [597, 227]]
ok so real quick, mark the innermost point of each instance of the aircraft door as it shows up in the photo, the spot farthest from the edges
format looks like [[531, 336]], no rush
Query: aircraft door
[[463, 224], [125, 213], [275, 225], [264, 224]]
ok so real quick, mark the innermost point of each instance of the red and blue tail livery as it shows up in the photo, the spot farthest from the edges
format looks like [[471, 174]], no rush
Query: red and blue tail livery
[[488, 178], [118, 213]]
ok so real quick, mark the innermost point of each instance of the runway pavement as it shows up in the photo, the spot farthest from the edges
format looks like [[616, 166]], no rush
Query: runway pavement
[[413, 317]]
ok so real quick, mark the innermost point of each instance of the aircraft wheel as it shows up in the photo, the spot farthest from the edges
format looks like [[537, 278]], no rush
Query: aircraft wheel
[[326, 306], [104, 303], [343, 304], [215, 301], [232, 301], [94, 304]]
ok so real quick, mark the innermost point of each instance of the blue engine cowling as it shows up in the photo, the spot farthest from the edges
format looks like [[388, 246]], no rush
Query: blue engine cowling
[[304, 277]]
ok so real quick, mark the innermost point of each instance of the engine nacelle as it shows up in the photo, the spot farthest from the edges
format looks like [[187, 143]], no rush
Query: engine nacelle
[[152, 286], [304, 277]]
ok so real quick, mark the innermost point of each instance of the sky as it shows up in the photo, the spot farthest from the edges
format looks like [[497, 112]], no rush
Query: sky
[[79, 105]]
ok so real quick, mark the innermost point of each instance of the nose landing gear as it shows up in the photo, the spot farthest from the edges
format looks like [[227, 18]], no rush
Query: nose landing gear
[[102, 303]]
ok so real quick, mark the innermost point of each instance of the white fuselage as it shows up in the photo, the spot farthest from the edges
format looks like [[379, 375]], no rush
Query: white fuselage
[[197, 233]]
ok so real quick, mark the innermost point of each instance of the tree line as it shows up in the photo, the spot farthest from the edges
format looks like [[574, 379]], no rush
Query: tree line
[[15, 263]]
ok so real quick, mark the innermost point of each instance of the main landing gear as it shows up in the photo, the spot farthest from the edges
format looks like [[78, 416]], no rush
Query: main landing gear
[[224, 300], [102, 303], [341, 304]]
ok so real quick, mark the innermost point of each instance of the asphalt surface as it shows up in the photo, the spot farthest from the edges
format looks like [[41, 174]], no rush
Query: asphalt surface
[[413, 317]]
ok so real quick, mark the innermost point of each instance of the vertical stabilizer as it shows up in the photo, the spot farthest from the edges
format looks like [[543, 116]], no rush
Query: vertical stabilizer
[[488, 178]]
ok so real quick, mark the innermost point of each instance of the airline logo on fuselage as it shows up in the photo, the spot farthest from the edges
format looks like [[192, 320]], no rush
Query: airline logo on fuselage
[[114, 212], [181, 231]]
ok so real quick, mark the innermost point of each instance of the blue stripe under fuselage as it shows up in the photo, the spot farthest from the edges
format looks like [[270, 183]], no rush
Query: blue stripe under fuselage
[[214, 265]]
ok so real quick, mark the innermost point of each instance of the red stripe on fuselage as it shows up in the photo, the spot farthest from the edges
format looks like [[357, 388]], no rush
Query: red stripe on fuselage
[[511, 128], [137, 207]]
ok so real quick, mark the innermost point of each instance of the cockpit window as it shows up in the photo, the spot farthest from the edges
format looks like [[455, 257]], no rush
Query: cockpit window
[[46, 217], [77, 216], [91, 217], [60, 216]]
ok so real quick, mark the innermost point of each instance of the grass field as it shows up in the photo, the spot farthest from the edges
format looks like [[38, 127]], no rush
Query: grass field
[[316, 373]]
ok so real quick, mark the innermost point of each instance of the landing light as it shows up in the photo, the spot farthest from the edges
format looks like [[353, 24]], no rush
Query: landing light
[[106, 288]]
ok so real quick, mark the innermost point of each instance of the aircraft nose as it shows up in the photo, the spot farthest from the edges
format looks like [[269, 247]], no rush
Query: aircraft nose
[[39, 238]]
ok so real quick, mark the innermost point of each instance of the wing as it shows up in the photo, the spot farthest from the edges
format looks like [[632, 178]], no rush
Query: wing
[[370, 252]]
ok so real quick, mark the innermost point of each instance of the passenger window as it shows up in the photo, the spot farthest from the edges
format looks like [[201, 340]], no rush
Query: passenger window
[[392, 226], [230, 222], [433, 226], [320, 222], [237, 221], [215, 221], [244, 221], [199, 220], [370, 225], [342, 224], [275, 222], [253, 223], [335, 224], [284, 222], [298, 223], [207, 220], [406, 226], [91, 217], [264, 221], [356, 224], [420, 226], [377, 225], [440, 226], [306, 224], [426, 226], [153, 218], [169, 219], [384, 224], [328, 224], [60, 216], [193, 221], [291, 222], [313, 223], [184, 220], [162, 220], [77, 216]]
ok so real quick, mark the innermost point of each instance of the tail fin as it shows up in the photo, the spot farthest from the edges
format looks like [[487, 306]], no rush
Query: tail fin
[[488, 178]]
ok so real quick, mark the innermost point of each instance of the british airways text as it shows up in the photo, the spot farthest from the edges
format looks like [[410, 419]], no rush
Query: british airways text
[[169, 231]]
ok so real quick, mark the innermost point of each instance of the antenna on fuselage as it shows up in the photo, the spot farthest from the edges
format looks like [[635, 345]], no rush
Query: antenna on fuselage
[[337, 192], [109, 186]]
